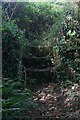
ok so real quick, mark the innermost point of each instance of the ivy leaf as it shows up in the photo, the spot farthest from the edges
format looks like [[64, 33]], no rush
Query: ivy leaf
[[70, 33]]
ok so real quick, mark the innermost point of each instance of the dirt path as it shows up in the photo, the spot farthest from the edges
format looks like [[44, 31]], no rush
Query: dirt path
[[56, 101]]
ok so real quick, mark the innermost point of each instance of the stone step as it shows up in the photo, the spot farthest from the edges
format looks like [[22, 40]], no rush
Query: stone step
[[38, 62], [48, 69]]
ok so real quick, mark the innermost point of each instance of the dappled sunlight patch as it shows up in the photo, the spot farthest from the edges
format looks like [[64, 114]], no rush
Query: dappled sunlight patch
[[58, 103]]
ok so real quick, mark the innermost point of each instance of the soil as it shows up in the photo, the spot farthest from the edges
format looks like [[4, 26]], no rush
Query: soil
[[56, 102]]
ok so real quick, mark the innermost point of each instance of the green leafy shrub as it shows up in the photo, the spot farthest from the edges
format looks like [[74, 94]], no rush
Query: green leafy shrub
[[12, 46], [16, 99]]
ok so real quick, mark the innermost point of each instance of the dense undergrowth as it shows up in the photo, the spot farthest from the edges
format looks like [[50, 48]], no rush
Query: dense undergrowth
[[16, 98], [40, 44]]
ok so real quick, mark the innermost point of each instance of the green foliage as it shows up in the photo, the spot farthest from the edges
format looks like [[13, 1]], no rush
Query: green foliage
[[54, 30], [13, 44], [35, 18], [16, 98], [47, 24]]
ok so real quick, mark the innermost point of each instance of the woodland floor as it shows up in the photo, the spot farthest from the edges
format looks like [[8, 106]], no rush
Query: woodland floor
[[56, 102]]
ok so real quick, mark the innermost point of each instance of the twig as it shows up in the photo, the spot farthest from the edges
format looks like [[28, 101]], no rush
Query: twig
[[13, 10]]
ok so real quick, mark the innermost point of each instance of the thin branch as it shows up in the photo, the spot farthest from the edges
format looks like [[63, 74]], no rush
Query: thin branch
[[13, 10], [6, 11]]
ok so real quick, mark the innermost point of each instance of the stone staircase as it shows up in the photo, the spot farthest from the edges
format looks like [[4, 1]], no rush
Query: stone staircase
[[39, 62]]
